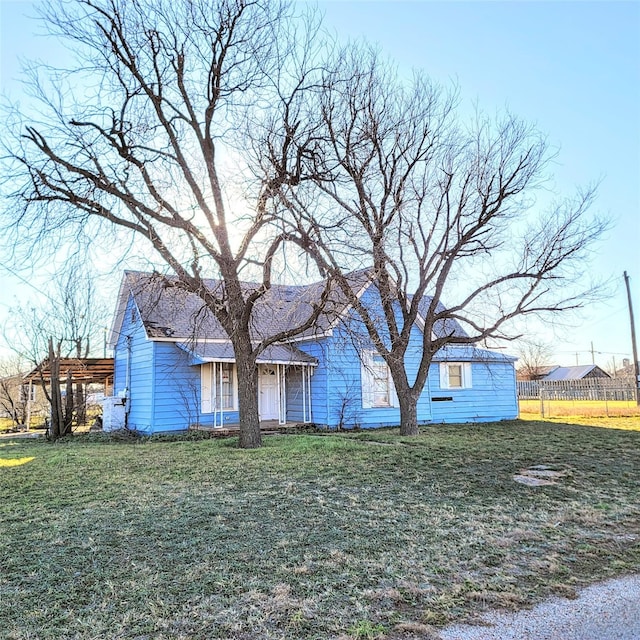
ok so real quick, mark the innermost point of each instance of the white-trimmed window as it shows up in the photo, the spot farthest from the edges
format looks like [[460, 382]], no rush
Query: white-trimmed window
[[378, 389], [455, 375], [218, 387]]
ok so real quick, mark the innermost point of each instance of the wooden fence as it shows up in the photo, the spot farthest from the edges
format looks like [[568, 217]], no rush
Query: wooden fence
[[587, 389]]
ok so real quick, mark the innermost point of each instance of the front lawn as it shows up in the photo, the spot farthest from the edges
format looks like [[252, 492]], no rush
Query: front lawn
[[328, 536]]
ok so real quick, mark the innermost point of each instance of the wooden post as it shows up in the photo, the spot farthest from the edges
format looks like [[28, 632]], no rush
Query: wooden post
[[68, 406]]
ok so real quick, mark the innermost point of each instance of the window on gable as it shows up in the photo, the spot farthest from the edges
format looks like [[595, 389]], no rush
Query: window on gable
[[380, 376], [377, 385], [455, 375]]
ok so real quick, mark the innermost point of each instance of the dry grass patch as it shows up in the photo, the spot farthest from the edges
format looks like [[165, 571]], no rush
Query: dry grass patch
[[311, 536], [559, 409]]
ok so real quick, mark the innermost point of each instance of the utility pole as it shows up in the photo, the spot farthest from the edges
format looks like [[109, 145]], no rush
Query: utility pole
[[636, 369], [593, 354]]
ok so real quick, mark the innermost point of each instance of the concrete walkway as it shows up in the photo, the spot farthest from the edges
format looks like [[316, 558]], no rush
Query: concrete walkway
[[606, 611]]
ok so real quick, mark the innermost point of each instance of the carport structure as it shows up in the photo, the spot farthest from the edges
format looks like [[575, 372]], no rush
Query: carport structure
[[83, 371]]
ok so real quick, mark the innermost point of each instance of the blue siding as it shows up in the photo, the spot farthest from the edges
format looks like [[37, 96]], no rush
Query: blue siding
[[344, 386], [164, 393], [492, 395], [177, 389], [120, 351], [319, 403], [178, 398], [133, 346]]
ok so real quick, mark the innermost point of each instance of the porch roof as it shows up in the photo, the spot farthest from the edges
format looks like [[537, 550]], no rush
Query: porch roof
[[202, 352]]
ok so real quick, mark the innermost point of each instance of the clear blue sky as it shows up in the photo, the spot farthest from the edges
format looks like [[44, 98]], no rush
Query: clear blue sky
[[573, 68]]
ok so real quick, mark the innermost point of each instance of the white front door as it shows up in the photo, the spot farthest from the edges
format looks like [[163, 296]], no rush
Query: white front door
[[268, 385]]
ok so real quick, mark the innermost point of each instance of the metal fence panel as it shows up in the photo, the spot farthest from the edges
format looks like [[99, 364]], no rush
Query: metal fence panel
[[587, 389]]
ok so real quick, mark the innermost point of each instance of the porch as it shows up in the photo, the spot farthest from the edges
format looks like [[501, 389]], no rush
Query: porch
[[284, 385]]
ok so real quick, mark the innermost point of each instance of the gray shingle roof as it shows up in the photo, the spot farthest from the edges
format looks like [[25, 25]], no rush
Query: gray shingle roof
[[445, 327], [167, 311]]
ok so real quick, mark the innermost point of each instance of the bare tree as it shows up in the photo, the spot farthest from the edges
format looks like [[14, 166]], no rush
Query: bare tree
[[441, 211], [13, 400], [147, 134], [535, 357], [67, 325]]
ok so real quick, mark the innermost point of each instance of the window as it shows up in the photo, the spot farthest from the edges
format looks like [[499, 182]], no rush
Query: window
[[455, 375], [377, 386], [380, 378], [224, 386], [218, 387]]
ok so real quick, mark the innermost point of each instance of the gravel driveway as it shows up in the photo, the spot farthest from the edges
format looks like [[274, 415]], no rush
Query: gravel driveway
[[606, 611]]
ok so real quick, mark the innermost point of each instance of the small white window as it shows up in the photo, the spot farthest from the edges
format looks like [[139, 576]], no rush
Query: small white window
[[455, 375]]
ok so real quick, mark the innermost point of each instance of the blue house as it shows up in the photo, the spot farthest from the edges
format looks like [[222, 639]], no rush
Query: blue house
[[174, 365]]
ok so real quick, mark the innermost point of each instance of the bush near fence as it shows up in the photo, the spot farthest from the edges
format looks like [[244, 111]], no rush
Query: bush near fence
[[587, 389]]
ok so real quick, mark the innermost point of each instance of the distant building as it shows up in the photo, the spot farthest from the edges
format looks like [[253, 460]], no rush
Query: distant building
[[580, 372], [556, 372]]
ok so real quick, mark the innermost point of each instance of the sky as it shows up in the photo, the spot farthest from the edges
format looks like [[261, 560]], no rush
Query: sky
[[571, 68]]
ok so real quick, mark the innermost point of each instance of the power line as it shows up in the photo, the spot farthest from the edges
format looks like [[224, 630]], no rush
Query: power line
[[615, 313]]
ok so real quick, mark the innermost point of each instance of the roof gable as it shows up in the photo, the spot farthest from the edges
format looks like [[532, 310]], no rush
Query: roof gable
[[169, 312]]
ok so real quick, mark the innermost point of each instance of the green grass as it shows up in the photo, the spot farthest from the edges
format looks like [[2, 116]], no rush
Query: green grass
[[364, 535]]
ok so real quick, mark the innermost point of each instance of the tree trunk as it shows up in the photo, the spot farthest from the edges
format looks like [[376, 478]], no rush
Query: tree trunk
[[250, 437], [68, 408], [56, 399], [408, 414]]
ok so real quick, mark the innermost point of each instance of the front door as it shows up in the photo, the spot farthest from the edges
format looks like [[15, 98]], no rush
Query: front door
[[268, 385]]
